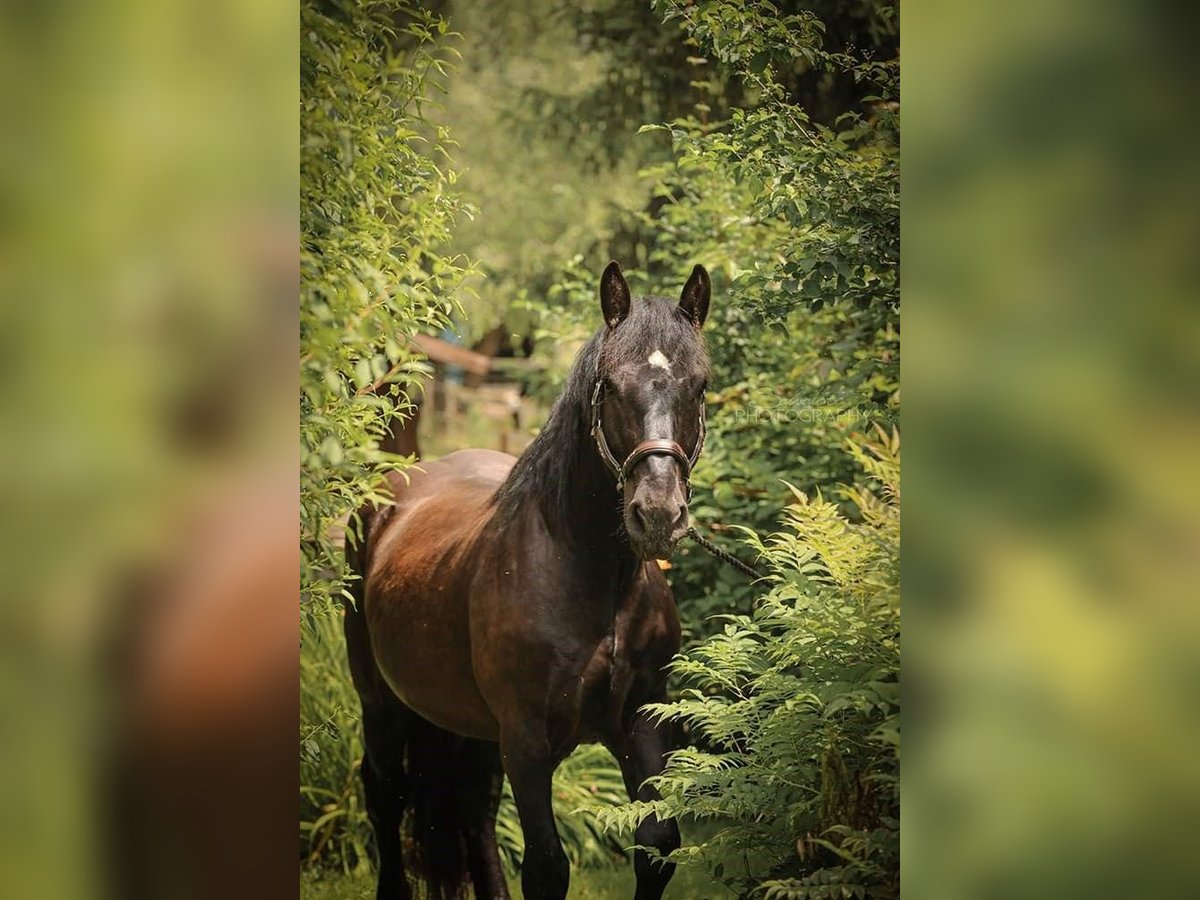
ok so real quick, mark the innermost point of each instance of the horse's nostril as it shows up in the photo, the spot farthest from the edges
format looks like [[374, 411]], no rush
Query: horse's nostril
[[681, 519], [639, 515]]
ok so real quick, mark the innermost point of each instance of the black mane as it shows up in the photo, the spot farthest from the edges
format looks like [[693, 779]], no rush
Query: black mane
[[547, 471]]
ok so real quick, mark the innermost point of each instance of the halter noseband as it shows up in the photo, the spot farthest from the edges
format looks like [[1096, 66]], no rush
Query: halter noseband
[[660, 447]]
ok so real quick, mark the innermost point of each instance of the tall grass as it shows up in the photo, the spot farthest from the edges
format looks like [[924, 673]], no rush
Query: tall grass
[[334, 830]]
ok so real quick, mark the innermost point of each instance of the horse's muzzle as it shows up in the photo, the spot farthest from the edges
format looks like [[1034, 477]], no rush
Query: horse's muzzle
[[655, 529]]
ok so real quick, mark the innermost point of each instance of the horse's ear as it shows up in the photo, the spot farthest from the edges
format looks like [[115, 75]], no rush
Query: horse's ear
[[614, 295], [696, 294]]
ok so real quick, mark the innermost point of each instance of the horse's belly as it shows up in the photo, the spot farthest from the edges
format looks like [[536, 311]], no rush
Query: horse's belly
[[417, 614], [421, 649], [447, 701]]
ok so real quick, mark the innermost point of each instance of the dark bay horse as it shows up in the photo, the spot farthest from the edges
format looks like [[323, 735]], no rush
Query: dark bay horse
[[511, 609]]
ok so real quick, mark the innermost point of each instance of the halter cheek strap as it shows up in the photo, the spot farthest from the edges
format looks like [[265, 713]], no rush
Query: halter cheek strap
[[657, 447]]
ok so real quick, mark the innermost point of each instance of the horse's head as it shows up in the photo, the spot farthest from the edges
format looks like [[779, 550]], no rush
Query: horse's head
[[648, 405]]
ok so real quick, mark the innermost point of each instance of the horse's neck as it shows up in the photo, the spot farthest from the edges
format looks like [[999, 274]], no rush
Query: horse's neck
[[592, 529], [561, 480]]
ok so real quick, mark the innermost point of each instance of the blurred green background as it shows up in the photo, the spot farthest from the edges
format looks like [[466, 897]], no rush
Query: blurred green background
[[148, 223], [1051, 370]]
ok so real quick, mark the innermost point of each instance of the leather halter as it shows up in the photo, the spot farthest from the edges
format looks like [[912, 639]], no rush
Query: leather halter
[[658, 447]]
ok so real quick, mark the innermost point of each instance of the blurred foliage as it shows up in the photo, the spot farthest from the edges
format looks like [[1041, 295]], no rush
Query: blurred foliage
[[148, 183], [1050, 234], [376, 209], [544, 109], [796, 710]]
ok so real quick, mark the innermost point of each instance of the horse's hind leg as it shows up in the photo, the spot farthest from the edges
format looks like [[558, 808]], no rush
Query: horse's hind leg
[[479, 796], [384, 784], [386, 723]]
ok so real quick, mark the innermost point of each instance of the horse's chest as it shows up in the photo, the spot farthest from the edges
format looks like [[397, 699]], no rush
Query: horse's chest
[[603, 683], [607, 672], [613, 680]]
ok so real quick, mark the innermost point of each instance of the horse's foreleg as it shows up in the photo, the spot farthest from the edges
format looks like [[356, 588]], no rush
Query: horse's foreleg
[[641, 754], [545, 871]]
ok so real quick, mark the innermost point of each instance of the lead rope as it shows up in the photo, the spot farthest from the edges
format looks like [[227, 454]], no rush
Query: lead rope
[[723, 555]]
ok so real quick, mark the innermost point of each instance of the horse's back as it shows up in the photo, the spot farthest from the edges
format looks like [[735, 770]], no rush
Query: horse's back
[[473, 471], [444, 495]]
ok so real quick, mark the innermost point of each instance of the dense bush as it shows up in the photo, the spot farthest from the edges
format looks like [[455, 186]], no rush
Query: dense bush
[[800, 221], [796, 709], [376, 209], [797, 220]]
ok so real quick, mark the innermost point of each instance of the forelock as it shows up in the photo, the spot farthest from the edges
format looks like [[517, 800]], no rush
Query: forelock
[[653, 324]]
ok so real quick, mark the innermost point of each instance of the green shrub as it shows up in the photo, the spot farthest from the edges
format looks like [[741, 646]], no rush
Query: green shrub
[[795, 710], [799, 221], [376, 209]]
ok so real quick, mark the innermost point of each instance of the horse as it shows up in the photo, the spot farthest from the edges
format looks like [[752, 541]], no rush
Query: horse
[[507, 610]]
